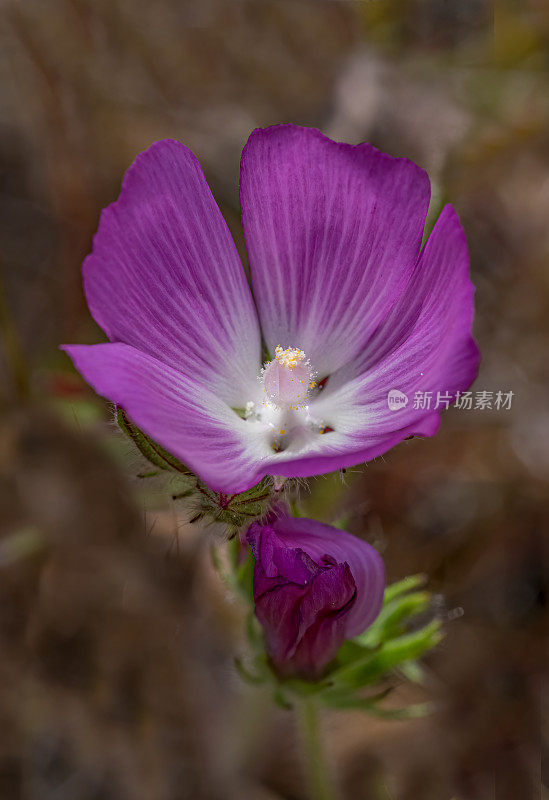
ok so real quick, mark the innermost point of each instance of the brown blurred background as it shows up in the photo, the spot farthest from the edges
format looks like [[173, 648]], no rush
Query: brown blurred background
[[117, 679]]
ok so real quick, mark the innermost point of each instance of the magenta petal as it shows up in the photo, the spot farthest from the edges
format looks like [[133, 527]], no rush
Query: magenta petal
[[165, 277], [303, 608], [176, 411], [352, 450], [317, 539], [314, 587], [425, 345], [324, 625], [332, 232]]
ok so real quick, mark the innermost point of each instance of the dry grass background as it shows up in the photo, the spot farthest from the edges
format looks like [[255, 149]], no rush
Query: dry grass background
[[116, 638]]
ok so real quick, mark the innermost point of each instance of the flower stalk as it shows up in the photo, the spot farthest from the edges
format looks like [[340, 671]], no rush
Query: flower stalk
[[319, 778]]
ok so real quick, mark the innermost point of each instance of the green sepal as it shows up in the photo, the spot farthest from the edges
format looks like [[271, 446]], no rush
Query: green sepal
[[374, 665], [350, 651], [243, 569], [235, 511], [393, 617], [247, 676], [412, 671], [152, 451], [401, 587], [239, 575], [346, 700]]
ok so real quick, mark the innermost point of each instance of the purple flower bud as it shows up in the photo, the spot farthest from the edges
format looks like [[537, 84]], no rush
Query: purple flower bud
[[314, 587]]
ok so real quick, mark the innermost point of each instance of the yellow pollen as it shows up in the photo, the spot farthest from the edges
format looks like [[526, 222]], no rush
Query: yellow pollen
[[282, 431], [290, 357]]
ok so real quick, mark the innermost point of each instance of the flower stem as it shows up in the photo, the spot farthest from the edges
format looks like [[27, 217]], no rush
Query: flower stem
[[318, 775]]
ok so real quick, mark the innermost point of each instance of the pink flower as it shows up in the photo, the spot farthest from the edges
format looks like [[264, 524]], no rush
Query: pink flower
[[340, 286]]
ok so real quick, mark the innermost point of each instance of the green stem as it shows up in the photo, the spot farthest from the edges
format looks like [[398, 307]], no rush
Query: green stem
[[318, 775]]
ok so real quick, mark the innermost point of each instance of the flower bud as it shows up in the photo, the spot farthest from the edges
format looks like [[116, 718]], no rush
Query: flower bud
[[314, 587]]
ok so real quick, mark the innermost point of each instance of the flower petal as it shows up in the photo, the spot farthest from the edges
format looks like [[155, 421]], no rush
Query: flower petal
[[305, 605], [332, 232], [324, 618], [425, 345], [165, 276], [318, 540], [176, 411], [339, 451]]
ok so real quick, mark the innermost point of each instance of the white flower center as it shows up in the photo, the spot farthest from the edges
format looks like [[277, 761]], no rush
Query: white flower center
[[282, 414], [288, 378]]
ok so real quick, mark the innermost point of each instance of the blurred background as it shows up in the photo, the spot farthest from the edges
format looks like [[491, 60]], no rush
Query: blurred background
[[117, 638]]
